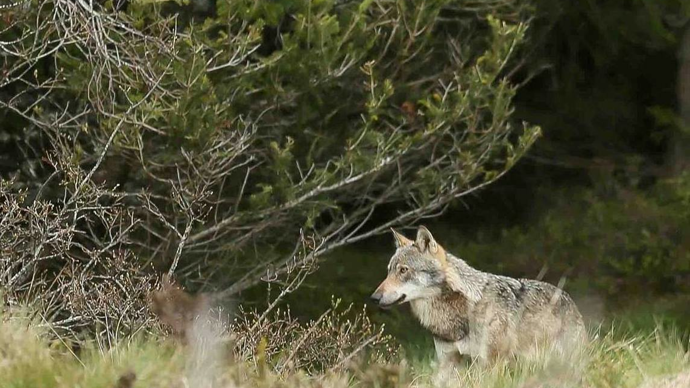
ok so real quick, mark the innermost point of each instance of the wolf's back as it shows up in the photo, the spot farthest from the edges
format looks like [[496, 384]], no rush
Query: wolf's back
[[542, 295], [548, 310]]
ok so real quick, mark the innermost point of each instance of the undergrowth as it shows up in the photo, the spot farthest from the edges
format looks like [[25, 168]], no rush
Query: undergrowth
[[30, 358]]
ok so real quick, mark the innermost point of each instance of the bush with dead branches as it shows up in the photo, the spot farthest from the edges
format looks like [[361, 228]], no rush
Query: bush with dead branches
[[336, 339], [272, 338], [222, 147]]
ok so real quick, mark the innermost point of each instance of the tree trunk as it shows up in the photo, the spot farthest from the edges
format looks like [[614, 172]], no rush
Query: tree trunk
[[680, 147]]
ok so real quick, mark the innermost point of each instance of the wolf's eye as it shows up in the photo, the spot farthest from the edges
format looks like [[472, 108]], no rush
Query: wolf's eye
[[403, 269]]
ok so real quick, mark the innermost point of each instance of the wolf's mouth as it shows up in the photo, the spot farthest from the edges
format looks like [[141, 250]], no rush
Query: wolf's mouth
[[398, 301]]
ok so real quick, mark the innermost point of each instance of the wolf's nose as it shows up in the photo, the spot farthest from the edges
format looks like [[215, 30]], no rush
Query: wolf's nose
[[376, 297]]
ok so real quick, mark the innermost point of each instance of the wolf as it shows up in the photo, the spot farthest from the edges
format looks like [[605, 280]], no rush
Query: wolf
[[474, 313]]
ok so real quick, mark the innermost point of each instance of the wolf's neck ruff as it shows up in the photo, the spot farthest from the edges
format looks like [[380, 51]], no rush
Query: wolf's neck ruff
[[464, 289], [462, 278], [452, 324]]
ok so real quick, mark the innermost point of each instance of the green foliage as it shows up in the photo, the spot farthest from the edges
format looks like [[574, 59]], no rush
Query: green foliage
[[237, 131], [625, 244]]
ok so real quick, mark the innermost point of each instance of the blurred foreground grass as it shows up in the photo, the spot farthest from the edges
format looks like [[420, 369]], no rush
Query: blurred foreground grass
[[615, 358]]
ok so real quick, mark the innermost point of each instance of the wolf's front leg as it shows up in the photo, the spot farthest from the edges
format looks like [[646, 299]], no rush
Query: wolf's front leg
[[447, 357]]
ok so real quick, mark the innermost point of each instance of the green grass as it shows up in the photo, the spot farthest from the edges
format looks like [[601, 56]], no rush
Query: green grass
[[615, 358]]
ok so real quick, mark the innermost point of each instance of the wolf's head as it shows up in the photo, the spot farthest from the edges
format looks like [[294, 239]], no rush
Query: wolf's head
[[416, 270]]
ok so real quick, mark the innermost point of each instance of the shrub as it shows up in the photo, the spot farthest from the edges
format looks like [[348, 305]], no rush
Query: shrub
[[224, 147], [272, 339]]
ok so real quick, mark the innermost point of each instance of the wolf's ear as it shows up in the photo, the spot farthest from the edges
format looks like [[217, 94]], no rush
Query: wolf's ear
[[400, 240], [425, 241]]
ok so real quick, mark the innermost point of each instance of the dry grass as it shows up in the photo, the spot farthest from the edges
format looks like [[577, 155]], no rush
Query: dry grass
[[29, 359]]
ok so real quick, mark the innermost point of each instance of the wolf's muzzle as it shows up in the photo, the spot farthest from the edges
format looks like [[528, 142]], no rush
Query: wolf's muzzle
[[377, 296]]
